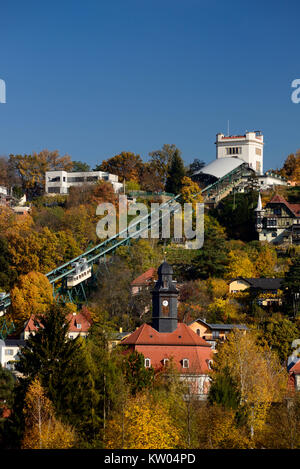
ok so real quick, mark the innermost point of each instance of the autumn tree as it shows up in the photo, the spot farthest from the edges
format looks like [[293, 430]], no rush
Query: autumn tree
[[190, 191], [256, 373], [32, 168], [126, 165], [146, 425], [218, 429], [239, 265], [32, 294], [160, 162], [42, 429], [282, 429]]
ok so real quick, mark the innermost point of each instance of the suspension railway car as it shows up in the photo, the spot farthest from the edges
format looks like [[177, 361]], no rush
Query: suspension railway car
[[82, 272]]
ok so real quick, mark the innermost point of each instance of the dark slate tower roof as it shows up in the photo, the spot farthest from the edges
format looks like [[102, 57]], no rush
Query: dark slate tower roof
[[165, 269]]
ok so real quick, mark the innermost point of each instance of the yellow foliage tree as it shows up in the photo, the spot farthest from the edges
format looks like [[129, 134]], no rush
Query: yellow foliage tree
[[239, 265], [190, 191], [223, 310], [32, 295], [257, 373], [42, 429], [218, 429], [144, 424], [265, 262]]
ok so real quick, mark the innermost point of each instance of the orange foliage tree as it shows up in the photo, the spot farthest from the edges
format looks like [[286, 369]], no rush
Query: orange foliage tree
[[31, 295]]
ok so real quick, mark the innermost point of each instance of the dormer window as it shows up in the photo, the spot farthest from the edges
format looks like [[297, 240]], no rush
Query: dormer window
[[147, 362], [185, 363]]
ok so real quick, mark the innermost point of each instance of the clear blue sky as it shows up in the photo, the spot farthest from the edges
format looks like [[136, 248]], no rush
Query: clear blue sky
[[93, 78]]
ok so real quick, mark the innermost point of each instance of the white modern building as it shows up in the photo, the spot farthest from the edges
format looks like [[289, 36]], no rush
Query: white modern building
[[248, 147], [58, 182], [10, 352]]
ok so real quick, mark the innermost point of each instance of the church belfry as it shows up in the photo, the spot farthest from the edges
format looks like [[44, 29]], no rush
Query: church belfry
[[164, 300]]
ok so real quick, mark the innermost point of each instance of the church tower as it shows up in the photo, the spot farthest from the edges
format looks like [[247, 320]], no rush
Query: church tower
[[164, 300]]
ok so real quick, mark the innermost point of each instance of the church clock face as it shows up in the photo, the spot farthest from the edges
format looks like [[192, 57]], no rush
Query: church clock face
[[165, 307]]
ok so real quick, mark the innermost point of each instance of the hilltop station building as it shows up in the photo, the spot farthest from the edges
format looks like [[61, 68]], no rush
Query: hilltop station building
[[238, 163]]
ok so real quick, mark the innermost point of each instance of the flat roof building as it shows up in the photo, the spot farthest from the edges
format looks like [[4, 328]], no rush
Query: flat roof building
[[59, 182]]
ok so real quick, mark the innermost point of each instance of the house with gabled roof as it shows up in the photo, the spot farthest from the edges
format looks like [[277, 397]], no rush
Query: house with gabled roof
[[278, 222], [212, 333], [166, 341], [79, 325], [267, 290], [145, 280], [294, 376]]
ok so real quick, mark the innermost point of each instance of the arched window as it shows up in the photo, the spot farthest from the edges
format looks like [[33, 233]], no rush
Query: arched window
[[147, 362], [185, 363], [198, 331]]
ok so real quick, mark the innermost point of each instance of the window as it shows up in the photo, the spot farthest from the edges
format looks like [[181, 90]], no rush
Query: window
[[166, 361], [9, 351], [234, 150], [185, 363], [53, 190], [147, 362], [216, 334], [209, 364], [78, 325], [198, 331]]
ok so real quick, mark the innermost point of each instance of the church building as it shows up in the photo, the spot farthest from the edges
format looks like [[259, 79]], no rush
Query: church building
[[168, 341]]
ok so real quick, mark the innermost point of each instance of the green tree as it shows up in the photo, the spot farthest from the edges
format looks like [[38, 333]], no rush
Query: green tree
[[291, 287], [80, 166], [60, 365], [176, 174], [279, 334], [136, 375], [223, 391], [213, 257]]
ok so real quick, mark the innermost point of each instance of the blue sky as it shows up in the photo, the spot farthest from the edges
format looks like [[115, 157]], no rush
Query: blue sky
[[94, 78]]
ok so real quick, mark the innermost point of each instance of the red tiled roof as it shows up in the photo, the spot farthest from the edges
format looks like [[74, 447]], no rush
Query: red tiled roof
[[147, 335], [176, 346], [295, 369], [83, 318], [145, 278], [234, 136]]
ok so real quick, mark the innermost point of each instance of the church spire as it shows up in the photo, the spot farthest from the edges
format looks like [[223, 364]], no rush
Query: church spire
[[164, 300]]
